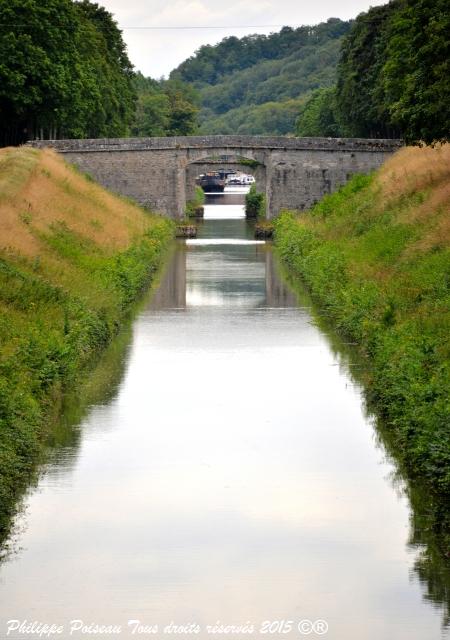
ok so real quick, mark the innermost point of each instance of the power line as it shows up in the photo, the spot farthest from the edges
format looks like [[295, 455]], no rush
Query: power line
[[232, 26]]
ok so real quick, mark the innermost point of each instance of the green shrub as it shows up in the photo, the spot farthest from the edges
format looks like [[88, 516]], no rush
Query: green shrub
[[197, 201], [255, 204]]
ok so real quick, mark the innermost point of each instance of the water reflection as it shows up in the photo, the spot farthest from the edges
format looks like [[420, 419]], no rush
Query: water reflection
[[207, 272], [171, 292], [231, 476]]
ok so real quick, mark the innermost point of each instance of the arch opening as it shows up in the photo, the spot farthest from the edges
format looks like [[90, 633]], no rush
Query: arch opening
[[231, 174]]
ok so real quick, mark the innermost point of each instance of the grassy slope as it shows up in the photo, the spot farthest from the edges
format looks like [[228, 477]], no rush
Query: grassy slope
[[377, 256], [73, 257]]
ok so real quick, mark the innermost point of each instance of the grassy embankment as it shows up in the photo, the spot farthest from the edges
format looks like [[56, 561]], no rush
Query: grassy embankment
[[73, 258], [376, 256]]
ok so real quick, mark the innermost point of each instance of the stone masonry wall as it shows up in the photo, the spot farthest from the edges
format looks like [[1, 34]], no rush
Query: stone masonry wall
[[299, 179]]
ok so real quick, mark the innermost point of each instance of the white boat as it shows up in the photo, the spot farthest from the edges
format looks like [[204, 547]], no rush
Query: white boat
[[242, 179]]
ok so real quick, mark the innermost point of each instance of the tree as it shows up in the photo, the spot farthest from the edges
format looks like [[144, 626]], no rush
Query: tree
[[164, 108], [152, 116], [394, 70], [415, 76], [318, 115], [37, 49], [248, 85], [63, 71], [183, 110], [108, 58], [361, 107]]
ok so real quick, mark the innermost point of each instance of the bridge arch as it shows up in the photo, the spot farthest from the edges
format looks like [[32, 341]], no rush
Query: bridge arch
[[230, 161]]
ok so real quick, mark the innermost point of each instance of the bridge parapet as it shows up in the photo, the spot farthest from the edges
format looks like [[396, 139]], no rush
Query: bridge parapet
[[220, 142]]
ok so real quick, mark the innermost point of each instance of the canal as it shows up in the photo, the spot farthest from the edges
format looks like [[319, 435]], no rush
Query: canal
[[231, 477]]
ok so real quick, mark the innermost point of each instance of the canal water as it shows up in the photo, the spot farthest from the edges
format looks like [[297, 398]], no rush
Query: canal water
[[231, 478]]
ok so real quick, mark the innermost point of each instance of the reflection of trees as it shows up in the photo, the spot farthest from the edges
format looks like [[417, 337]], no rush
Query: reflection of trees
[[101, 382], [429, 520], [429, 534], [98, 385], [171, 291], [429, 515], [278, 292]]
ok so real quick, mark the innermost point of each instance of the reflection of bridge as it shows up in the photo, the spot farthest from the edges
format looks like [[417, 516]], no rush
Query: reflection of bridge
[[173, 291], [293, 172]]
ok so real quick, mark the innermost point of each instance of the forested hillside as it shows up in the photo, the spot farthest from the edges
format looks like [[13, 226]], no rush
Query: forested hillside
[[258, 83], [383, 75]]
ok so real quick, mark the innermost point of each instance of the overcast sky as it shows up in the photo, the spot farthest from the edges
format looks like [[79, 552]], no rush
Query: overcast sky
[[156, 52]]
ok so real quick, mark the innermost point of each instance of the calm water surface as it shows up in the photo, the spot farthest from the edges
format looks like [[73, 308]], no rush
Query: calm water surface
[[232, 478]]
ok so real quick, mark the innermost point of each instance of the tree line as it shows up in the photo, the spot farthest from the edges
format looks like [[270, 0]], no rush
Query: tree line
[[65, 73], [392, 78]]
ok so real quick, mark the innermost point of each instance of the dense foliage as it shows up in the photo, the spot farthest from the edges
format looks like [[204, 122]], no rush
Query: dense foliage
[[256, 84], [164, 108], [319, 115], [77, 258], [376, 255], [64, 71], [393, 75], [211, 63]]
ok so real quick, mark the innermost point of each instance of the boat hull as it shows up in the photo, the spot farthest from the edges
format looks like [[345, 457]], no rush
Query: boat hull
[[211, 184]]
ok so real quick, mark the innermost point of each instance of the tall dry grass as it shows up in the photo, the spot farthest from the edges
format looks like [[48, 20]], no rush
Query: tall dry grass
[[424, 174], [413, 169], [38, 189]]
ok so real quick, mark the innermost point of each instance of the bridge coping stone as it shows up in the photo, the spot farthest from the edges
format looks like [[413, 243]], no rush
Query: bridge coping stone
[[219, 142]]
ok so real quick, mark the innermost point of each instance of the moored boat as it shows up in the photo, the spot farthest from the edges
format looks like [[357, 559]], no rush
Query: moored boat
[[211, 181]]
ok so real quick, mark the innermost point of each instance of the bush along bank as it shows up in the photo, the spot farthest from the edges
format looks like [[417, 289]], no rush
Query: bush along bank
[[195, 207], [255, 209], [73, 258], [255, 204], [376, 255]]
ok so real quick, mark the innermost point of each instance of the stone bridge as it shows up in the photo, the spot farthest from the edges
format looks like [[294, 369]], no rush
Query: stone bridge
[[160, 173]]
